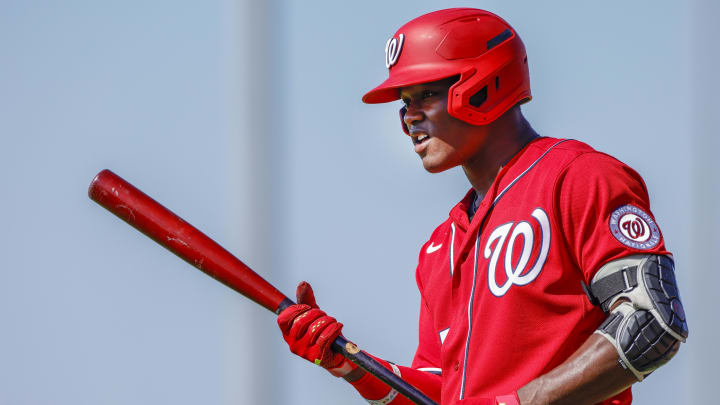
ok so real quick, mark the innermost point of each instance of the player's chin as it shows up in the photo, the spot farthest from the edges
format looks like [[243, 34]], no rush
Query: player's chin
[[435, 166]]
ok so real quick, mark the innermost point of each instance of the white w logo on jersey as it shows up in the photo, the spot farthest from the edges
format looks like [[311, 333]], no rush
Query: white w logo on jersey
[[515, 274]]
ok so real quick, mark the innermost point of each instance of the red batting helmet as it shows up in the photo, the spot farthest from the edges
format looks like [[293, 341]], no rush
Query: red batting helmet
[[480, 47]]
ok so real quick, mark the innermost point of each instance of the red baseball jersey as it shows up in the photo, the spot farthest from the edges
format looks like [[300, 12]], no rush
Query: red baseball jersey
[[502, 295]]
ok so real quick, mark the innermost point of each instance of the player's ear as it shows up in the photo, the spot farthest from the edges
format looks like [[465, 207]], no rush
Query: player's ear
[[305, 294]]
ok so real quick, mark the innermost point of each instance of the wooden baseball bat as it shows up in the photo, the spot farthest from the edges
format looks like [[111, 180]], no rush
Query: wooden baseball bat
[[169, 230]]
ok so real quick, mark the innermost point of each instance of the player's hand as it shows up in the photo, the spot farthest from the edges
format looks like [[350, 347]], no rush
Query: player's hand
[[309, 332]]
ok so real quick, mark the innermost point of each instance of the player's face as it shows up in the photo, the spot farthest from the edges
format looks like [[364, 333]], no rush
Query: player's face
[[441, 140]]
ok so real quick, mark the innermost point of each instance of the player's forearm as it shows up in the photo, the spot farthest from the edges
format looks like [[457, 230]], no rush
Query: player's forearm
[[591, 375]]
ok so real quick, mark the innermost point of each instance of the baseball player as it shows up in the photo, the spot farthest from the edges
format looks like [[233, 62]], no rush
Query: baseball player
[[550, 281]]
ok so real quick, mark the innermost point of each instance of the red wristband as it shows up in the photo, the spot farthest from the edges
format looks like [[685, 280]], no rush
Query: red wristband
[[371, 388]]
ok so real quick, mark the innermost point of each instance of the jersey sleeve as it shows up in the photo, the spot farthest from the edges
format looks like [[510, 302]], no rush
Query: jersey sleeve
[[427, 355], [603, 210]]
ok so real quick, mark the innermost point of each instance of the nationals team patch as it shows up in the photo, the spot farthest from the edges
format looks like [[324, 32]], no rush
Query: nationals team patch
[[633, 227]]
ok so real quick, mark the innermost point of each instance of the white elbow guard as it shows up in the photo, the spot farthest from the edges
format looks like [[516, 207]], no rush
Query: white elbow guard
[[647, 325]]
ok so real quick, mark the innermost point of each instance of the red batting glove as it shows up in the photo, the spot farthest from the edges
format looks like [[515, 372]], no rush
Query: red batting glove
[[309, 332]]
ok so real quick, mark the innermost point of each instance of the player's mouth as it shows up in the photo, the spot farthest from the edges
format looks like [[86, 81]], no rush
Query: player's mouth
[[420, 140]]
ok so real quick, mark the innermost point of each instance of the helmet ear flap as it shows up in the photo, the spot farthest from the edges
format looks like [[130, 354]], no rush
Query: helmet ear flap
[[402, 120], [467, 96], [481, 96]]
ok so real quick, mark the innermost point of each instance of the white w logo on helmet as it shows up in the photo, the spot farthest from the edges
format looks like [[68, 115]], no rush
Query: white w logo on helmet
[[393, 46]]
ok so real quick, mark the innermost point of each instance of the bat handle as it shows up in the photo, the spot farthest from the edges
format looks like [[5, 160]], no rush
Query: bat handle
[[372, 366], [353, 353], [283, 305]]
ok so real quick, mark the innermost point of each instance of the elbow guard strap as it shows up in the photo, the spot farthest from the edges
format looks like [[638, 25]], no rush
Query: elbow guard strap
[[648, 324]]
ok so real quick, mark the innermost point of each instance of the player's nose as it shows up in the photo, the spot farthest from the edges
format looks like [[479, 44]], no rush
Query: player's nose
[[412, 115]]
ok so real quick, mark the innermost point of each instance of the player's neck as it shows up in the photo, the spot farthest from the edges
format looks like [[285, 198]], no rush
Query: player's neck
[[507, 138]]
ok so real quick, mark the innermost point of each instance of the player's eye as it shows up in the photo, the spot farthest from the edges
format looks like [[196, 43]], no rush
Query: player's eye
[[428, 94]]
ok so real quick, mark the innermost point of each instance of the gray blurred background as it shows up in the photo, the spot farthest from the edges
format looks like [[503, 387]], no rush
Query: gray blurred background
[[244, 117]]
